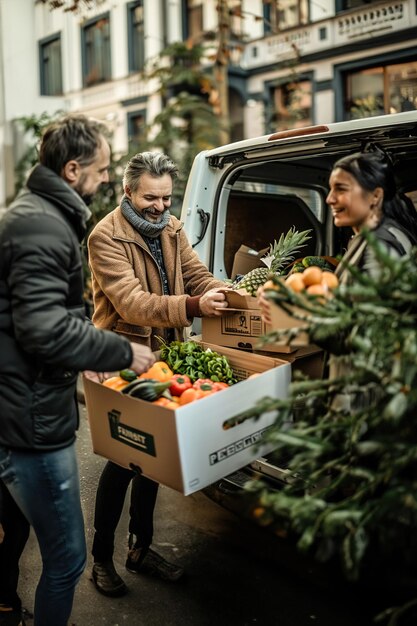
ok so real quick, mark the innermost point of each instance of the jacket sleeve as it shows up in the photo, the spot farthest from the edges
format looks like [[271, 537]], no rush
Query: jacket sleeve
[[197, 278], [42, 259]]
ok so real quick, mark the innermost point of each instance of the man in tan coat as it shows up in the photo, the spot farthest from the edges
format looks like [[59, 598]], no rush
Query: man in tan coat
[[147, 282]]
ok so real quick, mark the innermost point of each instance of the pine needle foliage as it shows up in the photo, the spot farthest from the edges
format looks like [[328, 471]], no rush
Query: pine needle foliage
[[353, 487]]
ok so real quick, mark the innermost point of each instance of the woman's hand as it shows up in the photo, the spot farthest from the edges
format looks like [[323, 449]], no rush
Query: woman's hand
[[264, 305]]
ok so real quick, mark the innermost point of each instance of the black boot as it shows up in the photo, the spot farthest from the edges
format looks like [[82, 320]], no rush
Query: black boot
[[147, 561], [107, 581]]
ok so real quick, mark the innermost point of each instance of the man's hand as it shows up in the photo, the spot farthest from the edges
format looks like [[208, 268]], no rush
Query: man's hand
[[143, 358], [212, 303], [98, 377]]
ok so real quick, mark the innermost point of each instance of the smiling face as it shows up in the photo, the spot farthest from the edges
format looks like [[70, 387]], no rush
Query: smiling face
[[152, 196], [351, 204]]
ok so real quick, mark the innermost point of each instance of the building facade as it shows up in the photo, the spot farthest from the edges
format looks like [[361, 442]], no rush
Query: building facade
[[290, 62]]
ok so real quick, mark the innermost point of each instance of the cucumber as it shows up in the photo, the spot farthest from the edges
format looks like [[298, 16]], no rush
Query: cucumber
[[128, 375]]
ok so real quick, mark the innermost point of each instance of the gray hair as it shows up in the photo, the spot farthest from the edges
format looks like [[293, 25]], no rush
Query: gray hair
[[153, 163]]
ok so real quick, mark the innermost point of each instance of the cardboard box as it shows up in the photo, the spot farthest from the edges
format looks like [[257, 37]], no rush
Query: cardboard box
[[309, 360], [241, 326], [193, 446], [247, 259]]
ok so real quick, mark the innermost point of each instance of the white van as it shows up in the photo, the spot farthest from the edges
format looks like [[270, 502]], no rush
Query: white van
[[251, 191]]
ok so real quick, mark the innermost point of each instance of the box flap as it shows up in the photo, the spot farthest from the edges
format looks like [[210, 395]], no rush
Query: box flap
[[247, 259], [240, 299], [246, 360]]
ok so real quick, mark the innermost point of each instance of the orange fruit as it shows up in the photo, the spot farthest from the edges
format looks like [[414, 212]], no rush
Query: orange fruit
[[295, 282], [329, 279], [317, 290], [312, 275]]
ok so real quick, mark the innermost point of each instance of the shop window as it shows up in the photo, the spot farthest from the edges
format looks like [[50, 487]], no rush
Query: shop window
[[292, 104], [381, 90], [402, 85], [283, 14], [96, 51], [50, 66], [136, 36]]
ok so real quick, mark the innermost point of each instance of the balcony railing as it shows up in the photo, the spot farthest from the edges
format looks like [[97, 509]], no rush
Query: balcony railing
[[347, 27]]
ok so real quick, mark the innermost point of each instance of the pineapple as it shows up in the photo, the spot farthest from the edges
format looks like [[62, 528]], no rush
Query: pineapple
[[278, 257]]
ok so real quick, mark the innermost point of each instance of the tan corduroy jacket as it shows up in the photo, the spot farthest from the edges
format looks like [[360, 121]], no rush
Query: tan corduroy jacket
[[127, 285]]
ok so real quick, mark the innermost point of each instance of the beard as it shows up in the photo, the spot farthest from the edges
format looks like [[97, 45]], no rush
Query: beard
[[87, 198], [151, 217]]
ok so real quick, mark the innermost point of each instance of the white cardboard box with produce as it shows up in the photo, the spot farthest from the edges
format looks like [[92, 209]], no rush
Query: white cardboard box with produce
[[194, 445]]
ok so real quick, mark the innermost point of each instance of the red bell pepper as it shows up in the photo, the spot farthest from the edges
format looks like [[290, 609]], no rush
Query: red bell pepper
[[179, 383], [205, 385]]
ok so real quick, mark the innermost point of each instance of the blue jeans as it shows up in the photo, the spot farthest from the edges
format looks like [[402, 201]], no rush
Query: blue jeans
[[45, 486]]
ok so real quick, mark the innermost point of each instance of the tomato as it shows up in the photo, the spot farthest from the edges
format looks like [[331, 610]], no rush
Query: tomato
[[190, 395], [205, 385], [219, 386], [166, 403], [180, 382]]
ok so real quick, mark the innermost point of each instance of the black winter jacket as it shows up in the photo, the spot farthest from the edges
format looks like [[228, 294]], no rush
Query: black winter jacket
[[45, 338]]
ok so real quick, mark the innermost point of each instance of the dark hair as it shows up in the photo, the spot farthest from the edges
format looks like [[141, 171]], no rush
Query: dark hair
[[153, 163], [372, 170], [74, 137]]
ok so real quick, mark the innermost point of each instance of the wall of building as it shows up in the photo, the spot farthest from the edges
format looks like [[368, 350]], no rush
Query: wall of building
[[320, 51]]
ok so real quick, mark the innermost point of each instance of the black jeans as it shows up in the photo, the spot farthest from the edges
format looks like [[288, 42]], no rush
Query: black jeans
[[111, 493], [16, 533]]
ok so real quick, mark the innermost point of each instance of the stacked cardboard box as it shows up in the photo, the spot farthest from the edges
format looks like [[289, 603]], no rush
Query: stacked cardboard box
[[241, 326]]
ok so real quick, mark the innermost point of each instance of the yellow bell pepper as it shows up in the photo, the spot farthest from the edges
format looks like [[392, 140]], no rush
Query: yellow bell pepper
[[159, 371]]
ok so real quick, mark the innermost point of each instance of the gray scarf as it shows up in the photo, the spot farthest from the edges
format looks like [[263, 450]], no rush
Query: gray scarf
[[145, 228]]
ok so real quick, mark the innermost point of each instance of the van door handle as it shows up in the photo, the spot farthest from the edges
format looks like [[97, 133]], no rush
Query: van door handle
[[205, 218]]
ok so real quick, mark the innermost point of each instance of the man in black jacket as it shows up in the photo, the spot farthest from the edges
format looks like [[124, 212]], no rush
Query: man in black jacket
[[46, 341]]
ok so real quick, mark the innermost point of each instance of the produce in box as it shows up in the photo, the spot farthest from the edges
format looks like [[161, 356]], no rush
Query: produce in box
[[206, 372], [279, 256], [190, 358]]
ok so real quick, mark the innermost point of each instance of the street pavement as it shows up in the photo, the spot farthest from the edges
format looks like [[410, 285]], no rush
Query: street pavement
[[237, 574]]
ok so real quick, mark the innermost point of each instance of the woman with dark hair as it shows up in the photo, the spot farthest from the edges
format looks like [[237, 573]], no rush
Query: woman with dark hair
[[363, 195]]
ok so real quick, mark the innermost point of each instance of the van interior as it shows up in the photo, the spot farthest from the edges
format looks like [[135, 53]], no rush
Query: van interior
[[267, 197]]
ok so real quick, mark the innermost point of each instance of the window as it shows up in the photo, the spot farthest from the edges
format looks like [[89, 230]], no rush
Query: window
[[50, 66], [136, 36], [344, 5], [136, 128], [96, 51], [379, 90], [236, 21], [282, 14], [194, 17], [292, 104]]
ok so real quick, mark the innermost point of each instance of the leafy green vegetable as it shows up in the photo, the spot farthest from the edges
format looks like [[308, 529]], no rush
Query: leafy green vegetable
[[190, 358]]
